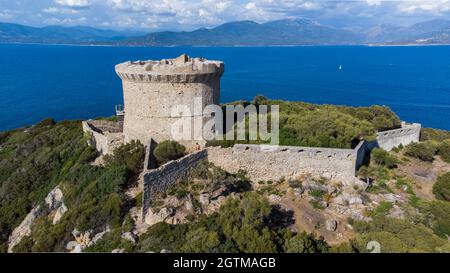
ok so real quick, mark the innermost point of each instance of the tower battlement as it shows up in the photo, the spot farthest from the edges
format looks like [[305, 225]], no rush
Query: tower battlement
[[178, 70]]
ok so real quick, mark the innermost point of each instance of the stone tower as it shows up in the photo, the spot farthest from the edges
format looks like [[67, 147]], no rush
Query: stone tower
[[152, 88]]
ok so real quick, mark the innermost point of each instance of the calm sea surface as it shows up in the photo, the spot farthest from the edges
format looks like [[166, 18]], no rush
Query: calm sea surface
[[78, 82]]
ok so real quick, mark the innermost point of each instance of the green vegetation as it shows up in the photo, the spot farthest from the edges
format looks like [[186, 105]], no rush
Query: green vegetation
[[168, 150], [381, 157], [35, 160], [441, 189], [394, 235], [444, 150], [304, 124], [429, 134], [424, 151], [240, 225]]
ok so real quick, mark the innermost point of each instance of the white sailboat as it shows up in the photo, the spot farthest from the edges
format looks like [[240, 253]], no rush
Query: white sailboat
[[340, 67]]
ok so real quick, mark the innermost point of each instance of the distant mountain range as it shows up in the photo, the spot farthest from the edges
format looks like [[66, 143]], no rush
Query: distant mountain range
[[242, 33], [14, 33]]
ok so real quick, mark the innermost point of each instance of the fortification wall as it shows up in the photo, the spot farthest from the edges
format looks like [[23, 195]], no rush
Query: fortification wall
[[160, 179], [274, 162], [105, 135], [409, 133]]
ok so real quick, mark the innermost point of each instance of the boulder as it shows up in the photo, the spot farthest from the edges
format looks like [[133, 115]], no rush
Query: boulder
[[152, 218], [204, 199], [331, 225], [100, 235], [188, 204], [393, 198], [54, 198], [348, 199], [273, 198], [74, 247], [118, 250], [59, 213], [172, 201], [129, 236]]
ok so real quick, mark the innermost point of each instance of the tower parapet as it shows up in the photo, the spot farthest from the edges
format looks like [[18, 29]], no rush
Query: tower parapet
[[179, 70], [152, 88]]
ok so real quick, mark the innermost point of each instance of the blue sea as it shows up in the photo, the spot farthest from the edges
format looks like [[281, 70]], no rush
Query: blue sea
[[79, 82]]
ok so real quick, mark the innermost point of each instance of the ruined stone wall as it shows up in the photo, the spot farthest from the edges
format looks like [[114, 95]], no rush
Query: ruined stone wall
[[160, 179], [267, 162], [409, 133], [105, 135]]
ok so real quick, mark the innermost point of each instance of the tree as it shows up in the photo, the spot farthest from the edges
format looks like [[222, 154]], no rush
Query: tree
[[168, 150], [305, 243], [201, 241]]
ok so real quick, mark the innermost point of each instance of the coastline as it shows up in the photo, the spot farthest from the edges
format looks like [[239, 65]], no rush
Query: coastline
[[225, 46]]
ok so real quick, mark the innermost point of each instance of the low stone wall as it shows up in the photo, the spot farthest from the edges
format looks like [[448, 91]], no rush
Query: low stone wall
[[105, 135], [265, 162], [160, 179], [409, 133]]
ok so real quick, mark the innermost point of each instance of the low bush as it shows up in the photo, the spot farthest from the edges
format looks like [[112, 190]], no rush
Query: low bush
[[444, 150], [441, 189], [423, 151], [168, 150], [382, 157]]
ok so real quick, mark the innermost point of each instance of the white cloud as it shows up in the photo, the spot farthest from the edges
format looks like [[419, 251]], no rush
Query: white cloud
[[191, 14], [7, 14], [423, 6], [74, 3], [57, 10]]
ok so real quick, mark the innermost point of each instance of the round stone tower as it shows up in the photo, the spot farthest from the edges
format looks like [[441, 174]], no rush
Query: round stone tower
[[152, 89]]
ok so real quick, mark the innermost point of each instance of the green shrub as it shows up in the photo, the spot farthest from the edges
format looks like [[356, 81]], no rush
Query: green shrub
[[444, 150], [46, 122], [168, 150], [304, 124], [441, 189], [383, 209], [396, 235], [305, 243], [131, 155], [440, 222], [423, 151], [434, 134], [295, 184], [382, 157]]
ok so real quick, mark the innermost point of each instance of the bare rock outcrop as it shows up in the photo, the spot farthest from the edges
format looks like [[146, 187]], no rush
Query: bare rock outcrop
[[24, 229], [153, 217], [55, 202]]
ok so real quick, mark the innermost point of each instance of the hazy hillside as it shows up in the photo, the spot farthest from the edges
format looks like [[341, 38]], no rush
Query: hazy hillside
[[246, 33], [282, 32], [55, 34]]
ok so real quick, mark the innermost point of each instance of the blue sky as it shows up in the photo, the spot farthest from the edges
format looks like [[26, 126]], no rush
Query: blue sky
[[152, 15]]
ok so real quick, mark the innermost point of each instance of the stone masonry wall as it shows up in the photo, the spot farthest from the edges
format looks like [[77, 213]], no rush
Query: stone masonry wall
[[160, 179], [104, 141], [274, 162], [152, 89], [408, 134]]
